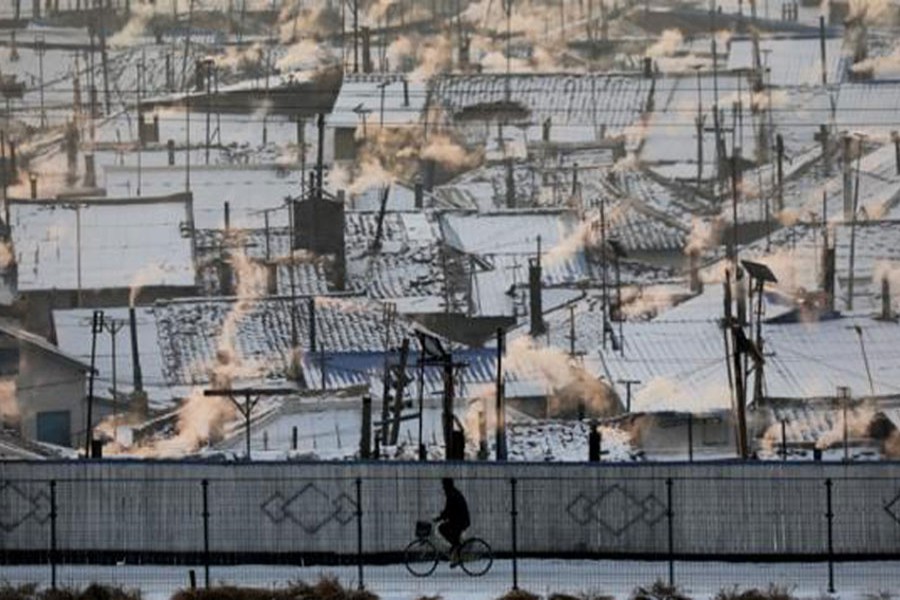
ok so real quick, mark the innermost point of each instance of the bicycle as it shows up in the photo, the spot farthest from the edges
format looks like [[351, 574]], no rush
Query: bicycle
[[422, 554]]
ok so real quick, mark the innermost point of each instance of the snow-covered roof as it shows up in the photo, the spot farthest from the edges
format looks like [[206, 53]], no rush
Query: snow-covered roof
[[581, 107], [364, 93], [26, 337], [792, 61], [682, 366], [73, 333], [407, 263], [189, 332], [512, 232], [102, 244], [249, 190]]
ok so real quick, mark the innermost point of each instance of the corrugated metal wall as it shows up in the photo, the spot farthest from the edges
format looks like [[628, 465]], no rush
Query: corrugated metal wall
[[717, 509]]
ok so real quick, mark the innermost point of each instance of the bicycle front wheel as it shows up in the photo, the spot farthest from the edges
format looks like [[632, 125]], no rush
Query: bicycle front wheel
[[421, 558], [475, 557]]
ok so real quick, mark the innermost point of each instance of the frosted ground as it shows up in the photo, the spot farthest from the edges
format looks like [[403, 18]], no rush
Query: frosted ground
[[393, 582]]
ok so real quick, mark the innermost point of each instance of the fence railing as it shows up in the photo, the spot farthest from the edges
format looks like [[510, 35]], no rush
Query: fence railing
[[357, 518]]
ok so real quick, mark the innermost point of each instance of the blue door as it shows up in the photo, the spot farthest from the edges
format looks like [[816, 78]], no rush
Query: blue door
[[55, 427]]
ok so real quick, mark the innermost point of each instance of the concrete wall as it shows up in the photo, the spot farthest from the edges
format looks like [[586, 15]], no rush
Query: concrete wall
[[718, 509]]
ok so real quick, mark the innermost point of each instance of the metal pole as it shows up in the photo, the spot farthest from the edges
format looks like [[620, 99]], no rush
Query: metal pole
[[514, 513], [669, 518], [205, 514], [96, 327], [829, 515], [53, 554], [501, 414], [359, 534]]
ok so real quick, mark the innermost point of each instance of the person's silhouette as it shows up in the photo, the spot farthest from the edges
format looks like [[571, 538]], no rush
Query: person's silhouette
[[454, 519]]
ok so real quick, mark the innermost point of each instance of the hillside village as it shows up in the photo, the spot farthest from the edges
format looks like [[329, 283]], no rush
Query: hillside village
[[565, 231]]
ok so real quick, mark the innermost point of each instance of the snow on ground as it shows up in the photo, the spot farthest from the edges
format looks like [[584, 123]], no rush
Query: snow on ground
[[393, 582]]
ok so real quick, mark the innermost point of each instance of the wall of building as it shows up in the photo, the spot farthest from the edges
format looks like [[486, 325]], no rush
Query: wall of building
[[719, 509], [44, 385]]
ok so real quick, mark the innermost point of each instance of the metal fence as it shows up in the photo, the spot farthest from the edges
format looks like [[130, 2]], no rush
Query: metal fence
[[552, 528]]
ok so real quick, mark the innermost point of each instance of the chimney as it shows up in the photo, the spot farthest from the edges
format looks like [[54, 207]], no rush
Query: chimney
[[822, 49], [405, 92], [545, 130], [90, 171], [829, 275], [320, 154], [886, 312], [895, 136], [535, 295], [847, 178], [170, 147], [272, 278], [510, 185], [135, 353], [312, 324], [420, 196], [33, 179], [594, 443], [199, 76], [366, 49], [430, 167], [696, 285]]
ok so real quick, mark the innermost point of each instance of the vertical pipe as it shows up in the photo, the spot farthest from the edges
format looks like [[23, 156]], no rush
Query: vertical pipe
[[359, 534], [205, 515], [822, 49], [294, 438], [514, 514], [53, 553], [670, 531], [365, 435], [690, 433], [829, 515], [500, 418], [784, 439]]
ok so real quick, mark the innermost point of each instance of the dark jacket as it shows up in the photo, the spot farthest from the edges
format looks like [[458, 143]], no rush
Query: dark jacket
[[456, 511]]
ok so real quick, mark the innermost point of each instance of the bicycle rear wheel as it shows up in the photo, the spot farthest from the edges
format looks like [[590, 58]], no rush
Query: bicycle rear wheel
[[421, 557], [475, 557]]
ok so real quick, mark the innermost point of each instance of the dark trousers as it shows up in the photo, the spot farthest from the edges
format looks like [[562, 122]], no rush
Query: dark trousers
[[451, 532]]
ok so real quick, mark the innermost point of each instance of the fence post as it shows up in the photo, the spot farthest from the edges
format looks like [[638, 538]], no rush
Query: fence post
[[359, 534], [205, 484], [669, 518], [829, 516], [53, 553], [514, 514]]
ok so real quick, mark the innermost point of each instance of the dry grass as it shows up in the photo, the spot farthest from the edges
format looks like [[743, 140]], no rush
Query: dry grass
[[659, 591], [773, 592], [327, 588], [519, 595]]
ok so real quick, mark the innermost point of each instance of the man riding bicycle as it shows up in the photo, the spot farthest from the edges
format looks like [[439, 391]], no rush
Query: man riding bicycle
[[454, 519]]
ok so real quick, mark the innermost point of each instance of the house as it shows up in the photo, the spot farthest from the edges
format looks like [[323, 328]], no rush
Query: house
[[369, 103], [95, 252], [47, 385]]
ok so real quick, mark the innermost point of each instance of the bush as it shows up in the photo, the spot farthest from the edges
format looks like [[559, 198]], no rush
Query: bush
[[659, 591], [92, 592], [773, 592], [328, 588], [518, 595]]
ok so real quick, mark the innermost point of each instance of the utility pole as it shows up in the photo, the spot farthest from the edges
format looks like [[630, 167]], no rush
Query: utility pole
[[500, 417], [104, 59], [853, 226], [207, 71], [40, 46], [251, 397], [356, 36], [114, 326], [140, 123], [96, 329]]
